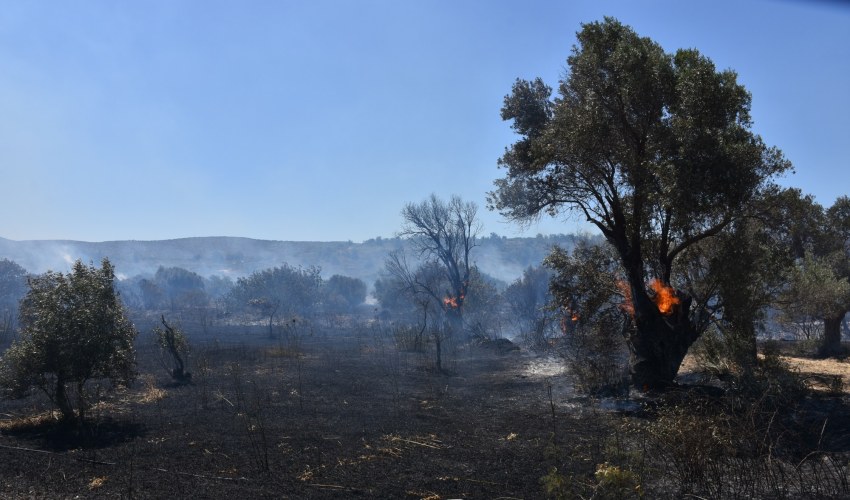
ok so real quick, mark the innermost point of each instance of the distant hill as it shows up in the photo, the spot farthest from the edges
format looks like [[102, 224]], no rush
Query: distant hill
[[501, 257]]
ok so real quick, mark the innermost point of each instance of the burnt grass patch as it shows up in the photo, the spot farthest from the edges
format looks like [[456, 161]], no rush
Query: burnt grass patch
[[348, 416]]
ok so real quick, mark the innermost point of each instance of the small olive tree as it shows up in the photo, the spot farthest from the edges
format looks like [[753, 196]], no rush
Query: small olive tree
[[73, 330]]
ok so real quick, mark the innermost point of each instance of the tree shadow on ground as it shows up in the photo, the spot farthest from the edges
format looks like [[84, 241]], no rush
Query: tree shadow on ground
[[52, 435]]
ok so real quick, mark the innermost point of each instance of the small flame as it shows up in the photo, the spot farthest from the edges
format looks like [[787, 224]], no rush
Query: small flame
[[452, 302], [567, 325], [665, 297]]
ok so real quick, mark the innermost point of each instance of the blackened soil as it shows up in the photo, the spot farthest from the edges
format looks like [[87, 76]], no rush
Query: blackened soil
[[321, 418]]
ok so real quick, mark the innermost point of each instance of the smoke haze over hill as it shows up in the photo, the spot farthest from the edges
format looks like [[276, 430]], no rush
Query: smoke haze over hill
[[500, 257]]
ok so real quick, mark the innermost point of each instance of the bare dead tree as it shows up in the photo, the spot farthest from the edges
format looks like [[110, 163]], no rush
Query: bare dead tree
[[443, 234], [174, 341]]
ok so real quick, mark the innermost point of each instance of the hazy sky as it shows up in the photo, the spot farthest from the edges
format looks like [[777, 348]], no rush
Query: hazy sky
[[318, 120]]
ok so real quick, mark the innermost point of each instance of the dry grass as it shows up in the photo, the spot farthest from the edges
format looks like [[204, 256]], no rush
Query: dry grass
[[151, 393], [29, 421], [97, 483], [819, 373]]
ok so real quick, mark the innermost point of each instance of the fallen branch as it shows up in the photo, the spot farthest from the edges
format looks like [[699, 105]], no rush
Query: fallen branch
[[396, 438]]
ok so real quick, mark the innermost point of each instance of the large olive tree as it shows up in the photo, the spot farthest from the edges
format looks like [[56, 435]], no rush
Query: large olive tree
[[655, 150], [73, 330]]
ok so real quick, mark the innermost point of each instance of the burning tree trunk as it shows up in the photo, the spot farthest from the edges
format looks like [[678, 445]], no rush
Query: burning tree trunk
[[660, 338]]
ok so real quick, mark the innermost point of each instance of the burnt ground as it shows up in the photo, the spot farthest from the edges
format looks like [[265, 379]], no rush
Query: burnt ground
[[326, 418], [333, 416]]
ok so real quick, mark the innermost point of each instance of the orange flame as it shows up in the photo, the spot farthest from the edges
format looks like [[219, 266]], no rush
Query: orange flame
[[665, 297], [451, 302], [573, 318]]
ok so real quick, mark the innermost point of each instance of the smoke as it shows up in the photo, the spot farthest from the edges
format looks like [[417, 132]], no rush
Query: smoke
[[501, 258]]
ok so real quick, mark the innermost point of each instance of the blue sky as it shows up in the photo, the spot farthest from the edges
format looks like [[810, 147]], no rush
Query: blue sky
[[318, 120]]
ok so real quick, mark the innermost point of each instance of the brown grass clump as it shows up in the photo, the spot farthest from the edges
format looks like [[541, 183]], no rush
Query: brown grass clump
[[151, 393], [97, 482], [29, 421]]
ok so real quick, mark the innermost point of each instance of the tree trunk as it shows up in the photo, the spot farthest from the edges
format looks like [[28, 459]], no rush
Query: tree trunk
[[438, 341], [455, 317], [658, 343], [60, 397], [831, 343], [81, 402]]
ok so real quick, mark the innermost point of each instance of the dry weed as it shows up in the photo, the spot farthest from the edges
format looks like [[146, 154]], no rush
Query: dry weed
[[150, 393], [29, 421], [97, 482]]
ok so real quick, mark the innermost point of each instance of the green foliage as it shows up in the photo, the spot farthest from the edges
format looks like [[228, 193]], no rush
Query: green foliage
[[654, 149], [594, 323], [817, 294], [181, 287], [734, 278], [814, 291], [13, 284], [283, 290], [73, 329], [344, 293]]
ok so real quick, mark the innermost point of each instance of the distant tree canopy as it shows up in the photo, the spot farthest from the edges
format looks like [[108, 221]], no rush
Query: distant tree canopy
[[13, 283], [180, 287], [343, 293], [530, 304], [73, 329], [819, 284], [655, 150], [13, 286], [283, 290]]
